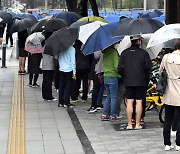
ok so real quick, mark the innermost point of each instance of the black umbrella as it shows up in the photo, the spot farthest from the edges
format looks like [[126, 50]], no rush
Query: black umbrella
[[23, 24], [69, 17], [60, 40], [130, 26], [49, 25], [6, 17]]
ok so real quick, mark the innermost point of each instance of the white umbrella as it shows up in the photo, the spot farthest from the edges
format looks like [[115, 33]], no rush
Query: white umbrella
[[165, 37], [86, 30], [126, 43]]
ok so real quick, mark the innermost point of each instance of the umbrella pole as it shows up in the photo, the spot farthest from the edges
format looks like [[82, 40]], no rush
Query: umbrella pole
[[4, 56]]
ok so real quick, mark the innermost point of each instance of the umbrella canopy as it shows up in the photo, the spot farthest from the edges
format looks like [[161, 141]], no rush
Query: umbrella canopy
[[93, 18], [49, 25], [137, 26], [101, 39], [23, 24], [86, 30], [69, 17], [6, 17], [152, 14], [77, 24], [25, 15], [60, 40], [33, 43], [166, 37]]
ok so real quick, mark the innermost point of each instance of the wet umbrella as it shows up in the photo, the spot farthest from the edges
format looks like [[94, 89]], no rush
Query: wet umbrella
[[165, 37], [6, 17], [69, 17], [93, 18], [34, 43], [152, 14], [101, 39], [137, 26], [49, 25], [23, 24], [25, 15], [86, 30], [60, 40], [77, 24]]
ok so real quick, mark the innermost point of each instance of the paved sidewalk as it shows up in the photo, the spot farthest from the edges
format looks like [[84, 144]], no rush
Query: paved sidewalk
[[54, 130]]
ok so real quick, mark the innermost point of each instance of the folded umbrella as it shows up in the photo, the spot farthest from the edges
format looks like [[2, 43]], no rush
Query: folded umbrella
[[101, 39], [34, 43], [23, 24], [137, 26], [60, 40]]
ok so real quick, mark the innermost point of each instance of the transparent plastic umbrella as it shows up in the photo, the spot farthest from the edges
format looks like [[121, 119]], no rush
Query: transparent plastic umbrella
[[165, 37]]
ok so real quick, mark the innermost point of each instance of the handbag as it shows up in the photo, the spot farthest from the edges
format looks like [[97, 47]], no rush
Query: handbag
[[162, 82]]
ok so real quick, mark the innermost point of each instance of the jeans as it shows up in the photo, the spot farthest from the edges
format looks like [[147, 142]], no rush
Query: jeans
[[111, 85], [169, 115], [65, 85]]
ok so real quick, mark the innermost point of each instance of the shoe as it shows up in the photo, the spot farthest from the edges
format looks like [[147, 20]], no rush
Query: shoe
[[168, 147], [112, 118], [23, 72], [91, 110], [61, 105], [84, 101], [119, 117], [177, 148], [54, 99], [70, 105], [74, 101], [19, 72], [173, 133], [133, 121], [142, 121], [35, 85], [11, 45], [30, 85], [104, 117], [99, 107]]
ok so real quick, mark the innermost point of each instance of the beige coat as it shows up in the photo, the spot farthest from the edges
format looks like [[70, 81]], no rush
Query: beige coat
[[171, 62]]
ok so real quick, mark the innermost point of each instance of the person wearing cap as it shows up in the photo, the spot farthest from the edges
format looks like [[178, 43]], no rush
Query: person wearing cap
[[135, 65]]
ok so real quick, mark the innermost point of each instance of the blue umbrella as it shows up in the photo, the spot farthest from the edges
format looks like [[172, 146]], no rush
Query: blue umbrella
[[101, 39], [25, 15], [153, 14], [69, 17]]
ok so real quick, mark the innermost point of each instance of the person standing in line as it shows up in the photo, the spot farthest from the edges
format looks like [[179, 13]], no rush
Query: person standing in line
[[67, 68], [171, 97], [111, 75], [22, 35], [8, 33], [133, 65]]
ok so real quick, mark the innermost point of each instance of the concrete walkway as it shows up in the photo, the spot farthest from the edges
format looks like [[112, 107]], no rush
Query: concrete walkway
[[54, 130]]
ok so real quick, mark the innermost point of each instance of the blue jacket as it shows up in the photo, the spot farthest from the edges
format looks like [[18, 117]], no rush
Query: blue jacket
[[67, 62]]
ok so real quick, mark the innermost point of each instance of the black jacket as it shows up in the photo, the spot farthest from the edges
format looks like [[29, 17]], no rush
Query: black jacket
[[135, 65]]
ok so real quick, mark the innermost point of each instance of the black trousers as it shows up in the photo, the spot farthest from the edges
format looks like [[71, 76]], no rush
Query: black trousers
[[169, 115], [95, 92], [65, 85], [33, 78], [81, 74], [7, 38], [47, 84]]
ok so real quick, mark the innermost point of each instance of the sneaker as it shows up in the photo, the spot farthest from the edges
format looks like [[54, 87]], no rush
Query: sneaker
[[54, 99], [91, 110], [99, 107], [168, 147], [119, 117], [142, 121], [19, 72], [177, 148], [23, 72], [61, 105], [104, 117], [83, 101], [35, 85], [30, 85], [74, 100], [112, 118], [70, 105]]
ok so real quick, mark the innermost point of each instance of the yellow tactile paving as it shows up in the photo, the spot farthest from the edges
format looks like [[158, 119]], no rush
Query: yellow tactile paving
[[17, 141]]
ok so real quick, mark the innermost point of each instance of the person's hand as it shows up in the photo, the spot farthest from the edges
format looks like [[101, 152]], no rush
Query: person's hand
[[74, 77]]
